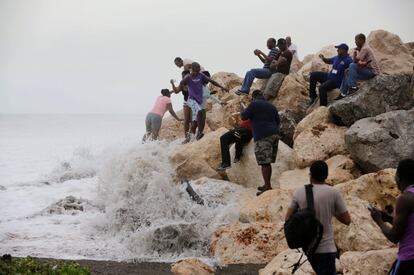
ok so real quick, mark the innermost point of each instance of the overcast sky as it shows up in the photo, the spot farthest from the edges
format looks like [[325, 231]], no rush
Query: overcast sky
[[101, 56]]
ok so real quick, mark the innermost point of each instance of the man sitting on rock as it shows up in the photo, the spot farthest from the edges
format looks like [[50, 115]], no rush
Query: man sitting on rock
[[328, 203], [402, 229], [364, 67], [195, 81], [280, 67], [263, 73], [265, 125], [331, 80], [240, 136]]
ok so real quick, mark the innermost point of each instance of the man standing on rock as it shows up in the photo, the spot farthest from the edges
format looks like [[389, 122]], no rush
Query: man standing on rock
[[263, 73], [195, 81], [265, 123], [364, 67], [280, 68], [331, 80], [328, 203], [402, 229]]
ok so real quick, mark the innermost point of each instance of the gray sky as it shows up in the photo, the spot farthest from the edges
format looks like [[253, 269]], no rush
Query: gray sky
[[101, 56]]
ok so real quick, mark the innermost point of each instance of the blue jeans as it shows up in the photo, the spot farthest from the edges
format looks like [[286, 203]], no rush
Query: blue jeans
[[251, 75], [355, 73]]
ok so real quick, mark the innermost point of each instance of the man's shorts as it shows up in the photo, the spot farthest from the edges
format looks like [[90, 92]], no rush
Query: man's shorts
[[265, 150], [273, 85], [195, 108]]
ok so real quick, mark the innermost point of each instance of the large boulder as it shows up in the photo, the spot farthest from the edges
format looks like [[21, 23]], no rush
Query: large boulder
[[172, 129], [318, 116], [248, 174], [319, 142], [200, 158], [381, 94], [255, 243], [362, 234], [341, 169], [369, 262], [271, 206], [227, 80], [293, 96], [313, 63], [191, 267], [380, 142], [283, 263], [391, 53], [287, 127], [379, 189]]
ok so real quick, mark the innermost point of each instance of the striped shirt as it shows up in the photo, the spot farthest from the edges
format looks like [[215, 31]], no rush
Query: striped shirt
[[272, 55]]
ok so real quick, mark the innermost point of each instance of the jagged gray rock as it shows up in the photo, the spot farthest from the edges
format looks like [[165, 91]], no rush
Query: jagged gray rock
[[382, 94], [381, 142], [287, 127]]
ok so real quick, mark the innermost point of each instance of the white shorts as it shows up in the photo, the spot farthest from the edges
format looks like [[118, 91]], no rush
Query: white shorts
[[195, 108]]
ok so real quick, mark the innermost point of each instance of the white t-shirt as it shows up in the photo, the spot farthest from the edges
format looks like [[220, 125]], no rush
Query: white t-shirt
[[294, 49], [187, 61]]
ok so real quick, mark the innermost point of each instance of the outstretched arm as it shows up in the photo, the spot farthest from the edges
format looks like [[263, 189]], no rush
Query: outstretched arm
[[176, 89], [261, 55], [171, 110], [217, 85]]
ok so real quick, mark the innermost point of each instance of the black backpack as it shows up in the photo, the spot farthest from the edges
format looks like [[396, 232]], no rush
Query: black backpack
[[303, 229]]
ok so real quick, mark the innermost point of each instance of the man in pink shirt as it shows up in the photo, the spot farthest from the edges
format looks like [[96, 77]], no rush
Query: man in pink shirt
[[154, 118], [364, 67]]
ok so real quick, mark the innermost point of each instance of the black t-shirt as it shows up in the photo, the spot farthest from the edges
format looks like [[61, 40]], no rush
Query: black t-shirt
[[284, 68]]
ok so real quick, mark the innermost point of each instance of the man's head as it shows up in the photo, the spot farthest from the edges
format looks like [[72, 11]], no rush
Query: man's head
[[288, 41], [281, 44], [360, 40], [342, 49], [257, 95], [178, 61], [319, 171], [405, 174], [271, 43], [195, 68], [165, 92]]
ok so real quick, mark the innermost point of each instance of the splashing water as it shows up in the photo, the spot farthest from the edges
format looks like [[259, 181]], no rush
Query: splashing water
[[154, 216]]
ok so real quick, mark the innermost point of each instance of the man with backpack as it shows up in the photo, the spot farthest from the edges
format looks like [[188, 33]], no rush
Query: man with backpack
[[308, 220]]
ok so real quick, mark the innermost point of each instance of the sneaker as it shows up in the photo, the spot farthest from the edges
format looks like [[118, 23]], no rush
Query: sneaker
[[223, 167], [199, 136], [241, 93], [340, 96], [352, 90], [236, 160]]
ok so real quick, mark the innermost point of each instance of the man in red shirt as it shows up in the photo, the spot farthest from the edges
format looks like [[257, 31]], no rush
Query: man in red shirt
[[240, 136]]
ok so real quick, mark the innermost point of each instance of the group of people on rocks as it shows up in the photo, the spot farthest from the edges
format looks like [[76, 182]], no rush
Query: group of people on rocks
[[260, 121]]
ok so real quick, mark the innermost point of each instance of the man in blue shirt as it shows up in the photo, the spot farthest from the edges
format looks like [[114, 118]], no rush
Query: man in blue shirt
[[265, 123], [331, 80], [263, 73]]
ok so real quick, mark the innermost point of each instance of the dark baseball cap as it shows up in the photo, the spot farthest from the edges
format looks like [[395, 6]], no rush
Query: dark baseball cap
[[342, 46]]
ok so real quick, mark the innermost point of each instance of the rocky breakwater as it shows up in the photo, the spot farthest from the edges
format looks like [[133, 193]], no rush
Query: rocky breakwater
[[368, 132]]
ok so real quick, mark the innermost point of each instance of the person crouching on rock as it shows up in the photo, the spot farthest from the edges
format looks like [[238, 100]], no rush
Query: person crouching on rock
[[154, 118], [195, 81], [240, 136], [265, 125], [402, 229]]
